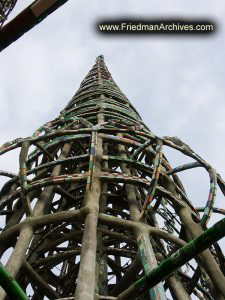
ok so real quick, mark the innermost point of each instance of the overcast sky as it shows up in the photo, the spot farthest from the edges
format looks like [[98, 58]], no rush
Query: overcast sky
[[175, 83]]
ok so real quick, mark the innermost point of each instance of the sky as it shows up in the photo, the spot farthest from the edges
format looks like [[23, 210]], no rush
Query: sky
[[176, 83]]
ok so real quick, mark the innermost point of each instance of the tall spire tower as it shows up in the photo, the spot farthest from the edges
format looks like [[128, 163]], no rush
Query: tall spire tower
[[98, 212]]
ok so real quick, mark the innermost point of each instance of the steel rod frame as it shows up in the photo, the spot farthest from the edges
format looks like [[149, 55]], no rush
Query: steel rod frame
[[97, 210], [6, 6]]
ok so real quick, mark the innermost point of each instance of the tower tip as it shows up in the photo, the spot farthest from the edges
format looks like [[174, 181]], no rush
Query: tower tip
[[100, 58]]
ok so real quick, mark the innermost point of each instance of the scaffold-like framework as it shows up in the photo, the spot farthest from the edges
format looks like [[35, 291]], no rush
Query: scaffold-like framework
[[6, 6], [98, 212]]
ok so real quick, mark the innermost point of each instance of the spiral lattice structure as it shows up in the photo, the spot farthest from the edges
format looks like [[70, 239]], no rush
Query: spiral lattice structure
[[97, 211]]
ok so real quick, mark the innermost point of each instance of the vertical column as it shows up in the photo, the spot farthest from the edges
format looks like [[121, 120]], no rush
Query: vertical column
[[146, 252], [85, 289], [101, 259]]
